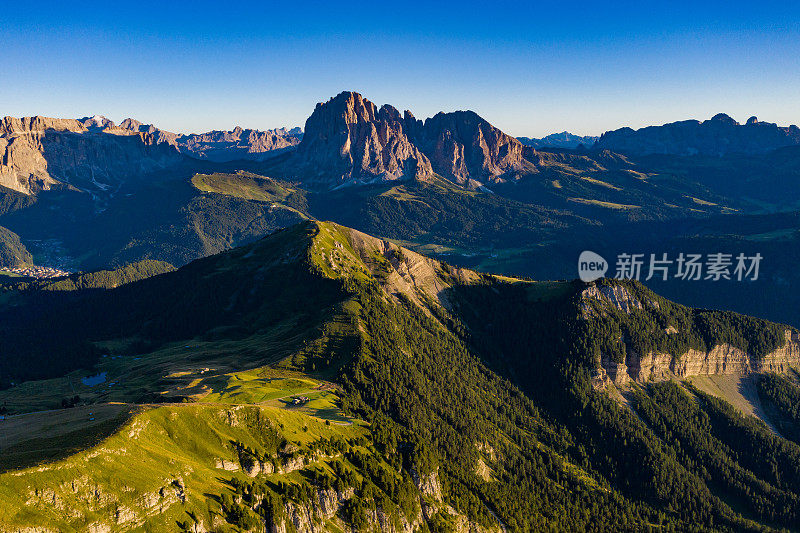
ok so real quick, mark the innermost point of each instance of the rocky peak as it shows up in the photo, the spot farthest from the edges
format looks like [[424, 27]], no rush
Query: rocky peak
[[130, 124], [349, 140], [96, 122], [350, 107], [464, 147], [725, 119]]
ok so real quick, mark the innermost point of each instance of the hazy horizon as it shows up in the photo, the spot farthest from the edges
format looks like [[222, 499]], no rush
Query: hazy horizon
[[531, 71]]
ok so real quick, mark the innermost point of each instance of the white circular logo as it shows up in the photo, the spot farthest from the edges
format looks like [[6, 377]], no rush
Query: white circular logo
[[591, 266]]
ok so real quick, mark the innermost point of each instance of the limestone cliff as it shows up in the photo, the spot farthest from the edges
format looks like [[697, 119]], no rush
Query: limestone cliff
[[720, 358], [38, 153]]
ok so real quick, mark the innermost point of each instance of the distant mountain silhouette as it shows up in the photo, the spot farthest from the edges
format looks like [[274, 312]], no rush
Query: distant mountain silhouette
[[564, 139], [718, 136]]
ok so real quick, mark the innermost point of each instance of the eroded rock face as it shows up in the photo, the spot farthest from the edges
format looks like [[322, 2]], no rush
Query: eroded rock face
[[465, 148], [95, 155], [717, 136], [721, 359], [38, 153], [658, 366], [348, 140]]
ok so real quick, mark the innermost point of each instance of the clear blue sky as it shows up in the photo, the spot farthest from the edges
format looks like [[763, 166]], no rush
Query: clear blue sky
[[529, 68]]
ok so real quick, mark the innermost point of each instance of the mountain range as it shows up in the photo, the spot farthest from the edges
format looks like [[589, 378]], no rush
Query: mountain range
[[224, 360], [87, 194], [717, 136]]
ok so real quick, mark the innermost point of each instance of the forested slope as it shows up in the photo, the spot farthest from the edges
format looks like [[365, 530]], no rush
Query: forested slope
[[12, 252], [476, 393]]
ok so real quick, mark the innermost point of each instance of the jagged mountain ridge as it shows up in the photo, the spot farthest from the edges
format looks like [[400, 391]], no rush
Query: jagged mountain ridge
[[223, 146], [350, 140]]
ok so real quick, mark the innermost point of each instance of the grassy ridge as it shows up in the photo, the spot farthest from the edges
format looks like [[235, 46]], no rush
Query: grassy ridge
[[155, 460]]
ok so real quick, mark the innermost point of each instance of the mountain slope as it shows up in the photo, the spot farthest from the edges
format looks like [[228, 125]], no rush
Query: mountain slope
[[477, 392], [12, 252]]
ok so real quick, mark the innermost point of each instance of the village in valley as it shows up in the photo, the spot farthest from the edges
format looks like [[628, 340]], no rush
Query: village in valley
[[33, 271]]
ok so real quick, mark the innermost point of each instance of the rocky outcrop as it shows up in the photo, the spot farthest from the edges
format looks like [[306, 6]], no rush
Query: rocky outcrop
[[715, 137], [721, 359], [348, 140], [308, 518], [618, 296], [324, 506], [81, 499], [253, 466], [311, 517], [465, 148]]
